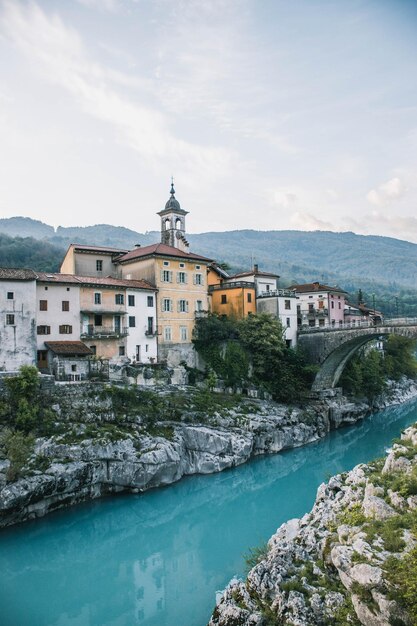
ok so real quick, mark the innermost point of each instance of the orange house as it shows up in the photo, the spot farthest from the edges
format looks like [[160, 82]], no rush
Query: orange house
[[234, 298]]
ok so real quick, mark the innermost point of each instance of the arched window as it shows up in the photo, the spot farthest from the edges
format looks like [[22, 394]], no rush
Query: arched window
[[167, 223], [178, 223]]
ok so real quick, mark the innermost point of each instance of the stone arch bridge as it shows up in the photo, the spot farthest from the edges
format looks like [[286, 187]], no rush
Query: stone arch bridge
[[332, 347]]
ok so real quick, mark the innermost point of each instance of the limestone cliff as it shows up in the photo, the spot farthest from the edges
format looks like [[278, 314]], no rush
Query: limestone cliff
[[97, 452], [351, 560]]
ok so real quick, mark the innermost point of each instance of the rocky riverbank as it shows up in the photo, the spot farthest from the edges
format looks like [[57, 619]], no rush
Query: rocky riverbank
[[351, 560], [102, 446]]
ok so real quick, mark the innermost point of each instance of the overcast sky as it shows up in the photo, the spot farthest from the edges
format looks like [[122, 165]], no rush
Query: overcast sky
[[270, 114]]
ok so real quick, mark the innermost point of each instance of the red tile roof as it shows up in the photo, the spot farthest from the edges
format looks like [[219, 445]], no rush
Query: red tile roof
[[254, 273], [107, 281], [68, 348], [12, 273], [103, 249], [312, 287], [160, 249]]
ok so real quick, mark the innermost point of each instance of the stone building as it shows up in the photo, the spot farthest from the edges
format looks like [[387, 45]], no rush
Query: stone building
[[320, 305]]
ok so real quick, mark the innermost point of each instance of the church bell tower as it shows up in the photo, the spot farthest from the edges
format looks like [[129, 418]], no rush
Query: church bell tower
[[173, 223]]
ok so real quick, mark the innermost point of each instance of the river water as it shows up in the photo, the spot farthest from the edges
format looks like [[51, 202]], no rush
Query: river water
[[158, 558]]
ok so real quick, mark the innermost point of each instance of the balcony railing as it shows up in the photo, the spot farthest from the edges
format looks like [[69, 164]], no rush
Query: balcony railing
[[317, 312], [201, 313], [153, 332], [274, 293], [103, 332], [234, 285]]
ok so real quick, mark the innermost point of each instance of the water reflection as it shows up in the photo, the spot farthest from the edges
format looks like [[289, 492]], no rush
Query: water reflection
[[156, 559]]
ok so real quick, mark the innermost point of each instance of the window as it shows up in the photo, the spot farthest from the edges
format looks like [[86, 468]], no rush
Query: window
[[166, 276], [121, 350], [340, 305], [182, 264], [311, 308], [267, 287], [288, 322], [65, 305], [97, 298], [332, 304], [167, 333], [321, 304], [132, 321], [99, 266], [10, 319], [198, 267], [43, 330], [182, 306], [119, 298], [288, 305], [43, 305], [93, 349], [166, 263], [98, 320], [249, 297], [223, 299], [46, 288], [10, 295], [150, 326], [199, 305], [183, 333], [167, 305], [198, 279], [146, 347], [68, 289], [131, 300], [73, 368], [150, 300], [311, 322], [321, 322], [65, 329], [181, 277]]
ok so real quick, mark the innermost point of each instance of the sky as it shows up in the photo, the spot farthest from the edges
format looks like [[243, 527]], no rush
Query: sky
[[270, 114]]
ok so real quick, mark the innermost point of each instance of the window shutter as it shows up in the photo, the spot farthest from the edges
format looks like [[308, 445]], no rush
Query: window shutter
[[178, 277], [186, 306], [162, 304], [194, 279], [179, 306], [162, 275]]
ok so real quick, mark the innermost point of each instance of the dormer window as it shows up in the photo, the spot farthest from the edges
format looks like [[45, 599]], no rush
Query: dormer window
[[99, 265]]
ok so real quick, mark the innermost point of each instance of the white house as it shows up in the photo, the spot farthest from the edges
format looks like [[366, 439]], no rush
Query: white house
[[141, 343], [17, 318]]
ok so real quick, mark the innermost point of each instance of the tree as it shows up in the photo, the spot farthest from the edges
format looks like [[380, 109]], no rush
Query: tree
[[262, 336]]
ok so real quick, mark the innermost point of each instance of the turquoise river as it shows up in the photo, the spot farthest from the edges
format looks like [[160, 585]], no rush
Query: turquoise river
[[158, 558]]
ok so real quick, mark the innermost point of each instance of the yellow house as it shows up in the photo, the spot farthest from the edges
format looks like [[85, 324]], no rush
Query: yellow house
[[234, 298]]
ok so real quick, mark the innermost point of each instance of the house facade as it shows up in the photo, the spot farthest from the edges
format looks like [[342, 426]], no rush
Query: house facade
[[319, 305], [17, 318]]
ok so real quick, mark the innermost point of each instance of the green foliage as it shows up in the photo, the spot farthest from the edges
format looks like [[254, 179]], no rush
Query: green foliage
[[255, 555], [400, 357], [24, 409], [252, 349], [352, 516], [28, 252], [402, 574], [17, 447], [367, 372]]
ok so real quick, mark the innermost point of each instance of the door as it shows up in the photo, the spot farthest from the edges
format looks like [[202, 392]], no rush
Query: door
[[117, 323], [42, 359], [137, 354]]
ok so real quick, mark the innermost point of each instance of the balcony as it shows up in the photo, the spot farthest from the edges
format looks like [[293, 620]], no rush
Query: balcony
[[275, 293], [317, 313], [103, 332], [153, 332], [238, 284], [199, 314]]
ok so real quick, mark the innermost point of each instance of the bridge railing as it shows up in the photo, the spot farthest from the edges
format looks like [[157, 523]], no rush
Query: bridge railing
[[395, 321]]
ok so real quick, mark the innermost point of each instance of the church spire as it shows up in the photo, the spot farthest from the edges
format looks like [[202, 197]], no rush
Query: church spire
[[172, 187], [173, 222]]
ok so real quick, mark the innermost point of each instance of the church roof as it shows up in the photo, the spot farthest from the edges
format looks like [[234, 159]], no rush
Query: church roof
[[160, 249], [172, 204]]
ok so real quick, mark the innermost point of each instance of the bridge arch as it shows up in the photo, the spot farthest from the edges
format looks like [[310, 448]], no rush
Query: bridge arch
[[332, 349]]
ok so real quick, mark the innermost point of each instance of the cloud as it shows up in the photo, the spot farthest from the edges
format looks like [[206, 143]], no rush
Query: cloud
[[306, 221], [386, 193], [57, 52], [377, 223]]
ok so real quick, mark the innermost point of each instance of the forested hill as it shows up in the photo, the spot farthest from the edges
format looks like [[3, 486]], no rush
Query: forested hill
[[370, 262]]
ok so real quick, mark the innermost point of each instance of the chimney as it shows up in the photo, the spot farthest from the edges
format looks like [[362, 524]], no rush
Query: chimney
[[137, 245], [316, 286], [255, 268]]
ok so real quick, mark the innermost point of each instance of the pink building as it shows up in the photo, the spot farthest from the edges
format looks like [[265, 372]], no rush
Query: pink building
[[319, 305]]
